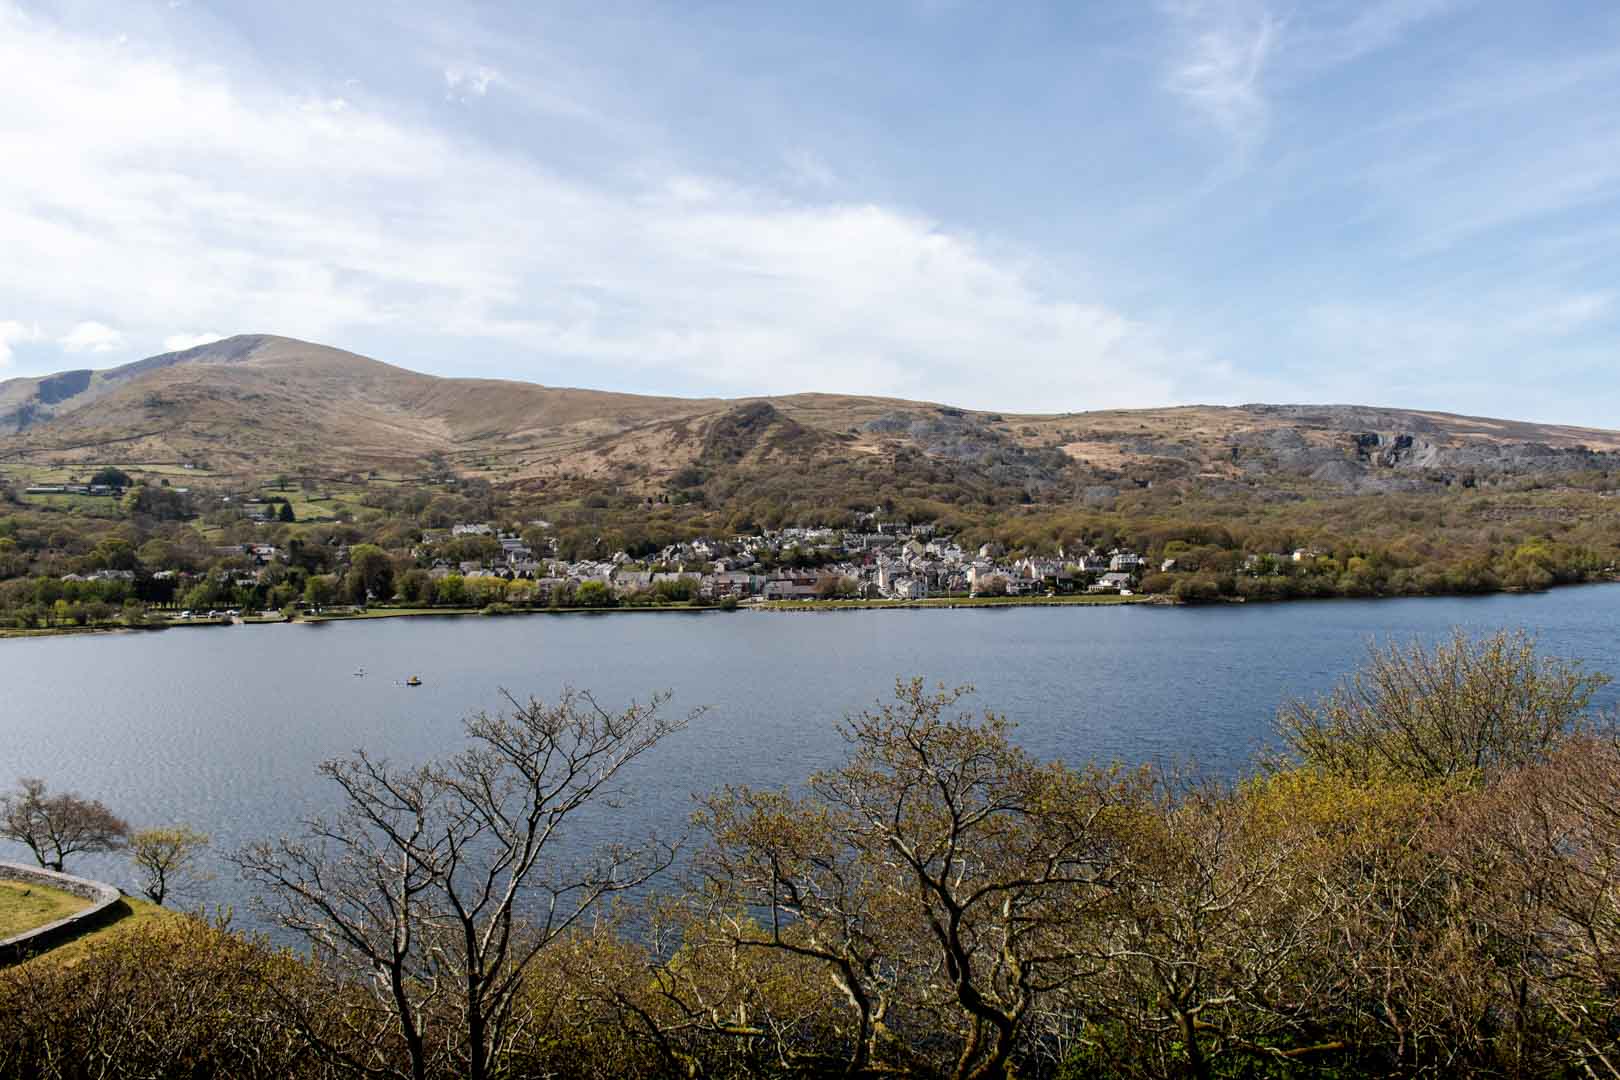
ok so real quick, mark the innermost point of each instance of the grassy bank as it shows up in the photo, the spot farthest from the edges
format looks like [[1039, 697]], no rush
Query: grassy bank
[[23, 906], [127, 917], [396, 613], [56, 631]]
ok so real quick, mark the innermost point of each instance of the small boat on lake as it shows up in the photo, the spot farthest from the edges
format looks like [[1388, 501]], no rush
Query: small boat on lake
[[414, 680]]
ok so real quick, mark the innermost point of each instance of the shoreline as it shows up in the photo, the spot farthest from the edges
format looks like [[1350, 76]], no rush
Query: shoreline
[[957, 602], [938, 603]]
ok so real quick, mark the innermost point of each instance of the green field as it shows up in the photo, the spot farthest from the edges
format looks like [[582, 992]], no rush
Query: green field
[[24, 906], [89, 505]]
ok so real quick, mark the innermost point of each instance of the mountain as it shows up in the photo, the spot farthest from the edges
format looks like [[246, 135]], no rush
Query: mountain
[[256, 405]]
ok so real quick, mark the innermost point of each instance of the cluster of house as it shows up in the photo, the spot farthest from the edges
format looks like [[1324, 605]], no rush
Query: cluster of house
[[878, 561], [72, 489], [105, 575], [881, 561]]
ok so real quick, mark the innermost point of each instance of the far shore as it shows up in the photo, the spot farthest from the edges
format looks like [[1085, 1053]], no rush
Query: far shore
[[768, 606], [382, 612]]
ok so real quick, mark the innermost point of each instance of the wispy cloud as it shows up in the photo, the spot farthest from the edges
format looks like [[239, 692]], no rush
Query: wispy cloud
[[1369, 26], [1220, 53]]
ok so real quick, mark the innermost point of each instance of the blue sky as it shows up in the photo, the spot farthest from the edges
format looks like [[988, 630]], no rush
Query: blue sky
[[1018, 207]]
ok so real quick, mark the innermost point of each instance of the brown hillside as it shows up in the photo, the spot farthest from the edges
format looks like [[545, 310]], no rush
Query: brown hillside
[[255, 405]]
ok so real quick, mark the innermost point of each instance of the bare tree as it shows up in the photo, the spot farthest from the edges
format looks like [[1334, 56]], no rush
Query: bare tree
[[167, 860], [440, 885], [56, 826], [941, 878]]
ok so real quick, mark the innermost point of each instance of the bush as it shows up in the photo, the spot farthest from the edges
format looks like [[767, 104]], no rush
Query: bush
[[1465, 709], [1196, 590]]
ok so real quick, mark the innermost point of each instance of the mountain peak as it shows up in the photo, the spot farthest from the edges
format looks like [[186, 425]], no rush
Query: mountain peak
[[230, 350]]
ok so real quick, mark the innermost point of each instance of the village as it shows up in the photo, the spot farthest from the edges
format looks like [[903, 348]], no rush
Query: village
[[876, 561]]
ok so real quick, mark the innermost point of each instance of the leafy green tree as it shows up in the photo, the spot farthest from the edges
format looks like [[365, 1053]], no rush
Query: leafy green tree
[[371, 574], [286, 513], [451, 590], [594, 594], [416, 586], [321, 590]]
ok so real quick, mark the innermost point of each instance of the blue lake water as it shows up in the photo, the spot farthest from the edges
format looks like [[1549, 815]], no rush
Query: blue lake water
[[222, 729]]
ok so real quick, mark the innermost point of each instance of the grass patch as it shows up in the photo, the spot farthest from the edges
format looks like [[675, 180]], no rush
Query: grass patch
[[127, 915], [23, 906], [97, 506]]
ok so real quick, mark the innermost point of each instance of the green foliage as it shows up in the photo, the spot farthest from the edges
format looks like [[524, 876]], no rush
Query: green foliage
[[321, 590], [371, 574], [594, 594]]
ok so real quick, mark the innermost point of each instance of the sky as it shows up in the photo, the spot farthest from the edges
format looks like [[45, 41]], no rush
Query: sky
[[1022, 207]]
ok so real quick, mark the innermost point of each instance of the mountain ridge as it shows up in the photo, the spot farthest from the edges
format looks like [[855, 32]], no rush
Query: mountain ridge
[[254, 404]]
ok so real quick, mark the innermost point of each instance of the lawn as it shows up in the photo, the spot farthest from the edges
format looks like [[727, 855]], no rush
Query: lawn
[[124, 917], [24, 906]]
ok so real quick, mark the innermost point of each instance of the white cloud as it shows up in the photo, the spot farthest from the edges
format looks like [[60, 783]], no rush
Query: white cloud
[[167, 194], [91, 337], [180, 342], [12, 333]]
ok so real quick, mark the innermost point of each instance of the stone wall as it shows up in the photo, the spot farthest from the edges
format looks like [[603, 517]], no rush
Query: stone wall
[[101, 896]]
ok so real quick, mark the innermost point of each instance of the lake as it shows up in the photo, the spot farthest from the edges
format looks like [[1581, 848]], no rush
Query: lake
[[222, 729]]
